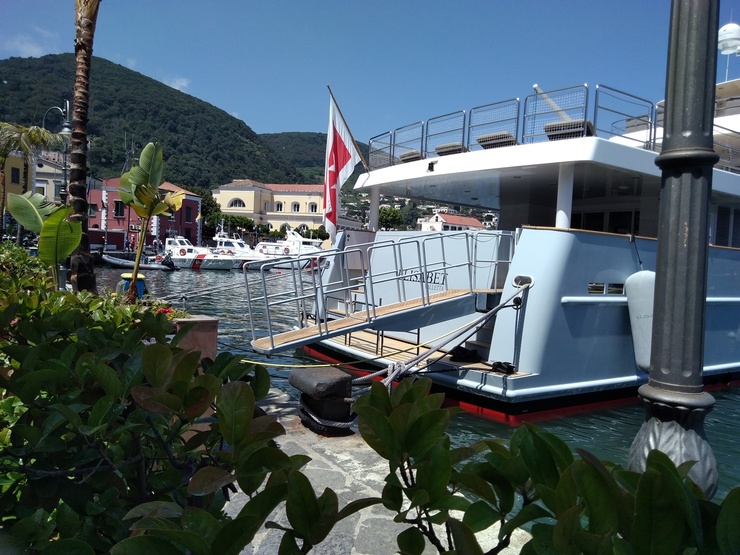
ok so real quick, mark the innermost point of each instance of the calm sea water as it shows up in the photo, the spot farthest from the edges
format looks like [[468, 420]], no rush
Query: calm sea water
[[607, 433]]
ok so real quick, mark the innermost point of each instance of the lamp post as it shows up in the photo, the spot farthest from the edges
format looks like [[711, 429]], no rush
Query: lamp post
[[66, 133], [675, 401]]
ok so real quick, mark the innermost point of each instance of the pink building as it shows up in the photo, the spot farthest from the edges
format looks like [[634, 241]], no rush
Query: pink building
[[111, 223]]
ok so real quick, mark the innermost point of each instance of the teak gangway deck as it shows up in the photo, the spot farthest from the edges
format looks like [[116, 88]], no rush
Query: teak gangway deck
[[456, 299]]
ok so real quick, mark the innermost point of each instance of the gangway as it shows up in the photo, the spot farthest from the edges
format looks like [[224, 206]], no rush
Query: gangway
[[387, 285]]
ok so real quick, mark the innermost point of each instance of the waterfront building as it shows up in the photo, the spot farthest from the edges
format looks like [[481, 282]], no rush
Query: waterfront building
[[112, 224], [300, 206]]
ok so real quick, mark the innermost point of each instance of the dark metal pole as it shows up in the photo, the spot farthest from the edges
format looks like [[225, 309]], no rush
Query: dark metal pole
[[674, 398]]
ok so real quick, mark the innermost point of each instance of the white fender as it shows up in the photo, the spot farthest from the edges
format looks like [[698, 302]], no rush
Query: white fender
[[640, 291]]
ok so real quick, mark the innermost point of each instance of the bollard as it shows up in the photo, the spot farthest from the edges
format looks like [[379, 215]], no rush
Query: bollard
[[324, 391]]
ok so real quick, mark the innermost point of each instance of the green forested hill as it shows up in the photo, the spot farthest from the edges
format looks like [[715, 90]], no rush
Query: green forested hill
[[203, 145]]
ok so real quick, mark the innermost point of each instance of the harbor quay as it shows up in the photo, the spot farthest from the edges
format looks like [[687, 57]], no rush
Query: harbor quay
[[354, 471]]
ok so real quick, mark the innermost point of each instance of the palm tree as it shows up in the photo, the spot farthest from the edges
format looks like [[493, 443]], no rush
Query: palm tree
[[86, 15], [28, 142]]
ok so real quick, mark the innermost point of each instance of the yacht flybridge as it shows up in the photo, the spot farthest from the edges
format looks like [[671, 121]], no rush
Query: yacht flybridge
[[534, 310]]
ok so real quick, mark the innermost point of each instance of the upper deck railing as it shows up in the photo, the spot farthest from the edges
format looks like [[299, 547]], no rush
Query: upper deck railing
[[543, 116]]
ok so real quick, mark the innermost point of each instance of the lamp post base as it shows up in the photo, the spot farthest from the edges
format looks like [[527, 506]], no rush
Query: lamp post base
[[674, 425]]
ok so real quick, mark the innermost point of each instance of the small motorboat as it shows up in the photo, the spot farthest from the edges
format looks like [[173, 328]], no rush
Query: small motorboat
[[161, 262]]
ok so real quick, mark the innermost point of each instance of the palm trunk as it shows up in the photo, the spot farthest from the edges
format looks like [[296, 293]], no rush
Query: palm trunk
[[2, 197], [81, 262]]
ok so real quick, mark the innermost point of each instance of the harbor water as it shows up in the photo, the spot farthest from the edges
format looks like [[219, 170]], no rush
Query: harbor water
[[605, 432]]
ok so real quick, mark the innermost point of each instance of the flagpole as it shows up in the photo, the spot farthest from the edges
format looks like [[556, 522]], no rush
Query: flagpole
[[341, 115]]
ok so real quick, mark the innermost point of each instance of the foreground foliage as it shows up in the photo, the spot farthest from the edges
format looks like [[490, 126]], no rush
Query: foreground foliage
[[570, 505], [115, 440]]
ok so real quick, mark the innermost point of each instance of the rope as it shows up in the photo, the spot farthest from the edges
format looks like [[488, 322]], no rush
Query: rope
[[324, 421], [201, 292]]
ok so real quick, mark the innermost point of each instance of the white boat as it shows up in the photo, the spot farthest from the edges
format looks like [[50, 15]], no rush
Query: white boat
[[536, 310], [186, 255], [235, 246], [283, 254]]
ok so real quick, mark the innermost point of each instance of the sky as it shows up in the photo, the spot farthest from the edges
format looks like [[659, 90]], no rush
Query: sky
[[388, 62]]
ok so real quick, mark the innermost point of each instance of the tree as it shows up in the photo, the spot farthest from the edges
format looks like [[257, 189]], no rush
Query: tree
[[410, 215], [28, 141], [389, 218], [208, 207], [86, 15], [140, 190]]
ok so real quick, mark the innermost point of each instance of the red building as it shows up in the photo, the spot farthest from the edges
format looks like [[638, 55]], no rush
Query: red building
[[112, 224]]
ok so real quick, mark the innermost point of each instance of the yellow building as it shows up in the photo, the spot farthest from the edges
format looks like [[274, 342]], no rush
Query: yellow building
[[299, 206], [14, 174]]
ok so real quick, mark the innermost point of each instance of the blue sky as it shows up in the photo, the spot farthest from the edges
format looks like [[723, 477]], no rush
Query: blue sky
[[389, 62]]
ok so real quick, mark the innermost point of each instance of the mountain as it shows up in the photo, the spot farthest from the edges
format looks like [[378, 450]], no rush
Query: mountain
[[203, 145]]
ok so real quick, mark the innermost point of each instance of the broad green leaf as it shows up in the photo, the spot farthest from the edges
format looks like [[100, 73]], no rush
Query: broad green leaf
[[288, 545], [139, 545], [236, 535], [597, 498], [481, 516], [30, 209], [156, 400], [209, 479], [301, 507], [234, 410], [377, 432], [200, 522], [426, 431], [539, 461], [526, 514], [59, 238], [325, 519], [392, 497], [356, 506], [464, 538], [164, 509], [108, 379], [67, 547], [660, 528], [728, 530], [157, 359], [433, 474], [411, 542]]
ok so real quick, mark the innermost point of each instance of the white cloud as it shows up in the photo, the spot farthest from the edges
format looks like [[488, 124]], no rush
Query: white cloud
[[25, 46], [36, 42], [179, 83]]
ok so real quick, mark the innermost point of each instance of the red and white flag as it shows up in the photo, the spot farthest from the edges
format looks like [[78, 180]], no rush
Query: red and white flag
[[341, 159]]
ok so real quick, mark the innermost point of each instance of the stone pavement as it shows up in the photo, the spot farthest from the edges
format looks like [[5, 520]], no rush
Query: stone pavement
[[353, 470]]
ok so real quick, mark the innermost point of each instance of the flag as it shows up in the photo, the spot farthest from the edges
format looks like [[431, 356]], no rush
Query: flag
[[341, 159]]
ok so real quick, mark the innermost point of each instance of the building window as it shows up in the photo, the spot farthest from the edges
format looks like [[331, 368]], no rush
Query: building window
[[92, 210], [278, 206], [188, 214], [236, 203], [15, 175], [118, 209], [267, 206], [295, 207], [313, 207]]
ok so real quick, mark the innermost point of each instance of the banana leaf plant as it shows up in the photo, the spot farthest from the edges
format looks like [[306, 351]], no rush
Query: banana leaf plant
[[58, 238], [140, 190]]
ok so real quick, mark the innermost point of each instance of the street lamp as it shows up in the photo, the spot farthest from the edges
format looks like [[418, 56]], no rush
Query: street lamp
[[66, 133]]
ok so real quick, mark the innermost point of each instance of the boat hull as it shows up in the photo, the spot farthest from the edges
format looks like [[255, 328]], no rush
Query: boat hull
[[129, 264]]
